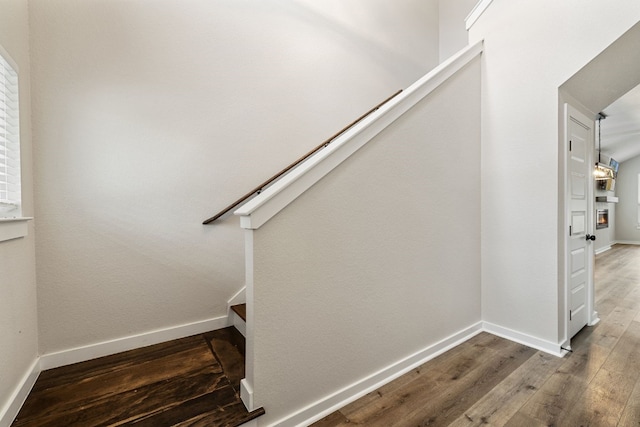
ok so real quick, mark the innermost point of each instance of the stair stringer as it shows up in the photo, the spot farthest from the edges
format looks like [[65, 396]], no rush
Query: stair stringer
[[270, 203]]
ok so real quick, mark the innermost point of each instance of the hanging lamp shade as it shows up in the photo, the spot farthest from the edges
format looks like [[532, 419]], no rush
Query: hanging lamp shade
[[602, 172]]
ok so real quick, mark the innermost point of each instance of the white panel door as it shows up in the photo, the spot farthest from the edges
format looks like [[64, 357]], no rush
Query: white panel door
[[580, 219]]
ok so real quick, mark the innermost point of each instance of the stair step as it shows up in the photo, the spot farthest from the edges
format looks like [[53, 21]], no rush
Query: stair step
[[240, 310], [239, 318]]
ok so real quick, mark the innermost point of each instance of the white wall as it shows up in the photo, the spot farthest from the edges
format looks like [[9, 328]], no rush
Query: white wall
[[627, 208], [605, 237], [531, 48], [453, 33], [18, 319], [377, 261], [151, 115]]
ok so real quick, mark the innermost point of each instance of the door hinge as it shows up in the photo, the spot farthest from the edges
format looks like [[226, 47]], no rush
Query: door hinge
[[570, 315], [570, 145], [570, 231]]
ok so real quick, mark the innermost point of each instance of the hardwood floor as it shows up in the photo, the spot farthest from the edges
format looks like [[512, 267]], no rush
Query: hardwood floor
[[491, 381], [193, 381], [485, 381]]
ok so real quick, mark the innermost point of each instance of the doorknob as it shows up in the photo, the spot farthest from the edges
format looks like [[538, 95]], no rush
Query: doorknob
[[590, 237]]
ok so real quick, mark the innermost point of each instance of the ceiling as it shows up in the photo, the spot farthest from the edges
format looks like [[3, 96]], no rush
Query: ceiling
[[621, 129], [610, 83]]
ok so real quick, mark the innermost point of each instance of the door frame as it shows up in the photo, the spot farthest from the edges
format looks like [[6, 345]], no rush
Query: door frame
[[569, 111]]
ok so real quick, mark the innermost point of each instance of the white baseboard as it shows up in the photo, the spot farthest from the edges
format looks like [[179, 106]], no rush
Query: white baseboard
[[595, 319], [601, 250], [238, 323], [106, 348], [239, 298], [627, 242], [524, 339], [329, 404], [10, 410], [246, 394]]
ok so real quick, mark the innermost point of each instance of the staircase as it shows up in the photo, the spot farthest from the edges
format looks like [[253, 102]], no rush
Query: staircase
[[188, 381]]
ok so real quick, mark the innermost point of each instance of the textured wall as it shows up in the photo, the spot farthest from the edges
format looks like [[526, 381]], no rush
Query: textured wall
[[376, 261], [453, 32], [18, 319], [531, 48], [627, 208], [151, 115]]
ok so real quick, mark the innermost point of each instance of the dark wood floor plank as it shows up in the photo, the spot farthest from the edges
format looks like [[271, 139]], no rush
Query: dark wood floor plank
[[79, 371], [135, 403], [240, 310], [228, 346], [176, 383], [128, 376], [203, 410], [227, 418]]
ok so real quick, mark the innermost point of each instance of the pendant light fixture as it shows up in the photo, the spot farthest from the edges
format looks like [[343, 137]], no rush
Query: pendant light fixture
[[601, 172]]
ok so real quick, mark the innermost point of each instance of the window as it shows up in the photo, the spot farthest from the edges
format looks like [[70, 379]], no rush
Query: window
[[10, 194]]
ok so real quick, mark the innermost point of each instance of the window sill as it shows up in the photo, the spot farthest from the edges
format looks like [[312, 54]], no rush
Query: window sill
[[13, 228]]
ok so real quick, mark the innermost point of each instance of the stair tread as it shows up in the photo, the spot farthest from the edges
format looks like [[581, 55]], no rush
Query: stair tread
[[228, 346], [240, 310]]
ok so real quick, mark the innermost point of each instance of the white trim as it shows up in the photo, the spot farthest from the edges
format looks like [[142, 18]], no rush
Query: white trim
[[13, 228], [329, 404], [524, 339], [476, 12], [246, 385], [246, 394], [627, 242], [571, 113], [268, 203], [238, 323], [239, 298], [5, 55], [106, 348], [601, 250], [10, 410]]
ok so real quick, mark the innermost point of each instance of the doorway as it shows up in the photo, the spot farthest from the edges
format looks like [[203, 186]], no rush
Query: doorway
[[589, 93], [579, 295]]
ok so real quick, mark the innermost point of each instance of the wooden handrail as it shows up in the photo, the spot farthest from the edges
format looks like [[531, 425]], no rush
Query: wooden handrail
[[261, 187]]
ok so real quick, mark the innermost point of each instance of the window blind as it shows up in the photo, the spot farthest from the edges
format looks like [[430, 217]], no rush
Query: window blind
[[10, 195]]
